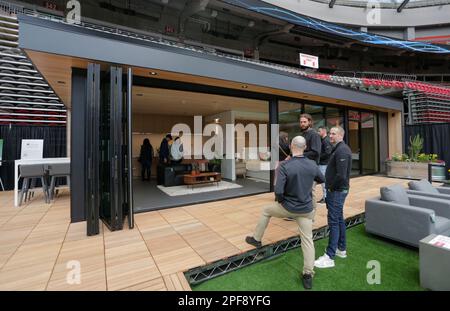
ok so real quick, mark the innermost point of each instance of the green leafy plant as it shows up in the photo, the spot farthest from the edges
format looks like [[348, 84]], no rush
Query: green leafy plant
[[434, 158], [422, 157], [215, 161], [400, 157], [415, 146]]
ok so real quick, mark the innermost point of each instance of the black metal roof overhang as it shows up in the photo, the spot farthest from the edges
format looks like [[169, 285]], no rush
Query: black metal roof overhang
[[63, 39]]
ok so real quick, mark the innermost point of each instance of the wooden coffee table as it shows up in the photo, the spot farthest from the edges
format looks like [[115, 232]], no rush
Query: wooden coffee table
[[202, 178]]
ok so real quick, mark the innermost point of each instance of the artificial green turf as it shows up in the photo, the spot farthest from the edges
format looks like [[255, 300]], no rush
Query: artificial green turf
[[399, 269]]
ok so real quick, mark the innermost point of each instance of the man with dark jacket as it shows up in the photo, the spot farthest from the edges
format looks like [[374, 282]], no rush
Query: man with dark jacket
[[325, 154], [293, 193], [313, 142], [337, 183], [164, 150]]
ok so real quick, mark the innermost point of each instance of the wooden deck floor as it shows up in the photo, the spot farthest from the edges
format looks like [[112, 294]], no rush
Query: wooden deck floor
[[38, 245]]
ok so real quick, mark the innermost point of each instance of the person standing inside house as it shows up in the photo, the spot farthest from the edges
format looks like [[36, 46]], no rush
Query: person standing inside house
[[337, 183], [146, 159], [325, 154], [283, 146], [164, 150], [293, 195]]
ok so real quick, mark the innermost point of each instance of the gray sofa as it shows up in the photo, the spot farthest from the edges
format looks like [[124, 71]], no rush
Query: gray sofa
[[424, 188], [406, 218]]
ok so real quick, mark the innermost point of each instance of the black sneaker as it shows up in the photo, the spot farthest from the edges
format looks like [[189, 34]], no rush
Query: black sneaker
[[307, 281], [322, 201], [251, 240]]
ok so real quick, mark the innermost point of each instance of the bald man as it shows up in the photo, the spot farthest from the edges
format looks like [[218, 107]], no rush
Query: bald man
[[293, 193]]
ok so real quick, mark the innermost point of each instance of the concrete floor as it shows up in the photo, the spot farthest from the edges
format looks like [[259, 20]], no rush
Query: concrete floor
[[147, 197]]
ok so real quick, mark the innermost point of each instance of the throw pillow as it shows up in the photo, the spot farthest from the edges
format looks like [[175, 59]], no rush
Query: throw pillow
[[422, 185], [395, 193]]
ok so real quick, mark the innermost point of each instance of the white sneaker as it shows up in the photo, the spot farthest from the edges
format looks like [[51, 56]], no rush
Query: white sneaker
[[341, 254], [324, 262]]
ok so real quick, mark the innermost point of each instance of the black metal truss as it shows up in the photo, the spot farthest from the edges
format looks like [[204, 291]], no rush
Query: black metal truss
[[220, 267]]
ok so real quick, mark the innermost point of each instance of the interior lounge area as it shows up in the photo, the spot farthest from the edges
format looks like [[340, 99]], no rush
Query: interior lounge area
[[193, 178], [157, 112]]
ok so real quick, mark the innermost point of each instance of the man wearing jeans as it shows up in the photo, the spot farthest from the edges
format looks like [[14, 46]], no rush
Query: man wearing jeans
[[337, 184], [293, 193], [324, 157]]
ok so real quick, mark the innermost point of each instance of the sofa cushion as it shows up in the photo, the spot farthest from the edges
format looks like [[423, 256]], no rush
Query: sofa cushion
[[422, 185], [394, 193], [442, 225]]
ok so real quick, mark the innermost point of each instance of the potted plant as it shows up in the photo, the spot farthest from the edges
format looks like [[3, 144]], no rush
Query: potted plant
[[195, 169], [215, 165], [414, 165]]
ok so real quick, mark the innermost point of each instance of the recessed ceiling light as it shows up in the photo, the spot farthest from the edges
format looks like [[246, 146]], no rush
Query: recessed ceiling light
[[153, 73], [245, 86]]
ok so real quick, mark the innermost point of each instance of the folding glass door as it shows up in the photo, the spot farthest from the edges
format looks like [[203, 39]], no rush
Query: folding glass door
[[108, 152]]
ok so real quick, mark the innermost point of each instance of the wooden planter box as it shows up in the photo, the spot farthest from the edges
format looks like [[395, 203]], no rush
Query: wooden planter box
[[414, 170]]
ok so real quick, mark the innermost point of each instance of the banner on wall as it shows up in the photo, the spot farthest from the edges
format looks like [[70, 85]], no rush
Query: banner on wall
[[32, 149]]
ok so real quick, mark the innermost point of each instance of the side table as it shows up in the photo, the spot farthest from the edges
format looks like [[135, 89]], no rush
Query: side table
[[434, 264]]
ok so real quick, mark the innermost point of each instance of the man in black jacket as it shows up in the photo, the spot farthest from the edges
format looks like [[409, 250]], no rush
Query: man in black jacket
[[313, 142], [325, 154], [164, 150], [293, 193], [313, 145], [337, 182]]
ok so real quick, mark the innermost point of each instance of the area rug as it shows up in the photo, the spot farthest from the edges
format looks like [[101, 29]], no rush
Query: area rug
[[185, 190]]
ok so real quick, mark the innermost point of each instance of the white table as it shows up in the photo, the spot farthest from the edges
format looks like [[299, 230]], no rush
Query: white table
[[17, 163]]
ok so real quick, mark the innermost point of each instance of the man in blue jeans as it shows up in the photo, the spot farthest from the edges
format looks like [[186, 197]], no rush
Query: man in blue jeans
[[337, 183]]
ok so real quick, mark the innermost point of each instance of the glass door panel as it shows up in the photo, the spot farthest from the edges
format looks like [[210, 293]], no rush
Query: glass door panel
[[354, 141], [369, 143], [111, 150], [128, 207]]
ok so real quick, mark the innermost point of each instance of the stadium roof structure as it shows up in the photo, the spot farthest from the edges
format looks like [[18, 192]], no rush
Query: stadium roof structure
[[335, 30]]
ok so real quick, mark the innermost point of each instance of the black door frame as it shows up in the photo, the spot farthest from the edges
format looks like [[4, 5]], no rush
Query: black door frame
[[92, 187], [129, 157], [115, 149]]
